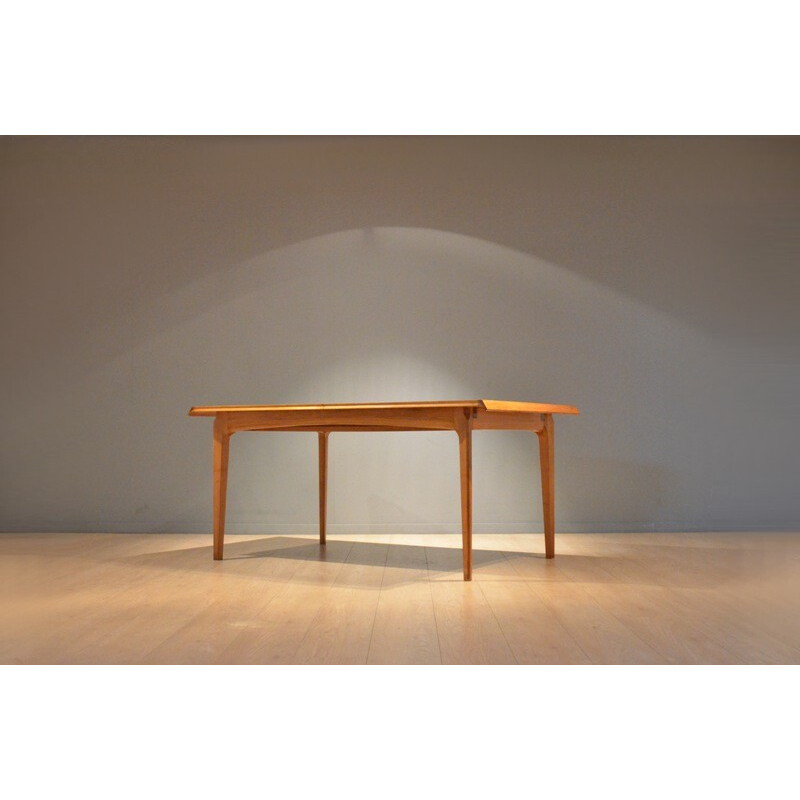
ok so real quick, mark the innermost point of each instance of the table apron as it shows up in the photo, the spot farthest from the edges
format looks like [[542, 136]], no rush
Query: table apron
[[406, 419]]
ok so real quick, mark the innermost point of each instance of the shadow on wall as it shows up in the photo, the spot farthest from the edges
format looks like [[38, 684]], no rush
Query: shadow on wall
[[388, 313]]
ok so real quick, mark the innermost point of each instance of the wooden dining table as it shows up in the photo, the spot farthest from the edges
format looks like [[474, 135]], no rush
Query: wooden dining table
[[459, 416]]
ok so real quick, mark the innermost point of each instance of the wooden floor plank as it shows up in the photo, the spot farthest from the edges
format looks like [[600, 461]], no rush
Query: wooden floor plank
[[749, 641], [600, 635], [646, 611], [341, 631], [467, 628], [532, 631], [404, 631]]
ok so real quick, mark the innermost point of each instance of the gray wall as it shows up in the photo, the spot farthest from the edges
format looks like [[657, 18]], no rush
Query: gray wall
[[651, 282]]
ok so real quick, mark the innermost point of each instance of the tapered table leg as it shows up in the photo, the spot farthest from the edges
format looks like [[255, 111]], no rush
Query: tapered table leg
[[221, 442], [547, 464], [323, 484], [464, 430]]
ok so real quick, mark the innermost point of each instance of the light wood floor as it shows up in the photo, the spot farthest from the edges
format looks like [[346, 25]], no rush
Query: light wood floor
[[605, 599]]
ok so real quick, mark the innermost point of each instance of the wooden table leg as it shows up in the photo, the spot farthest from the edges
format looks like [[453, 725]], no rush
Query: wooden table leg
[[221, 443], [547, 465], [323, 484], [464, 430]]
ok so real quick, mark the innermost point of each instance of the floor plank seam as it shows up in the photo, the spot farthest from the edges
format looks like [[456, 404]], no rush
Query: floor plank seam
[[375, 613], [377, 605], [621, 622], [561, 625], [433, 605]]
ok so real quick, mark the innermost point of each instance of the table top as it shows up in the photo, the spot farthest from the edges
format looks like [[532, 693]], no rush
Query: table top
[[484, 405]]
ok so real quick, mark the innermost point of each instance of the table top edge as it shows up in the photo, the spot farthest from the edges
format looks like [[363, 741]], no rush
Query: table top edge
[[500, 406]]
